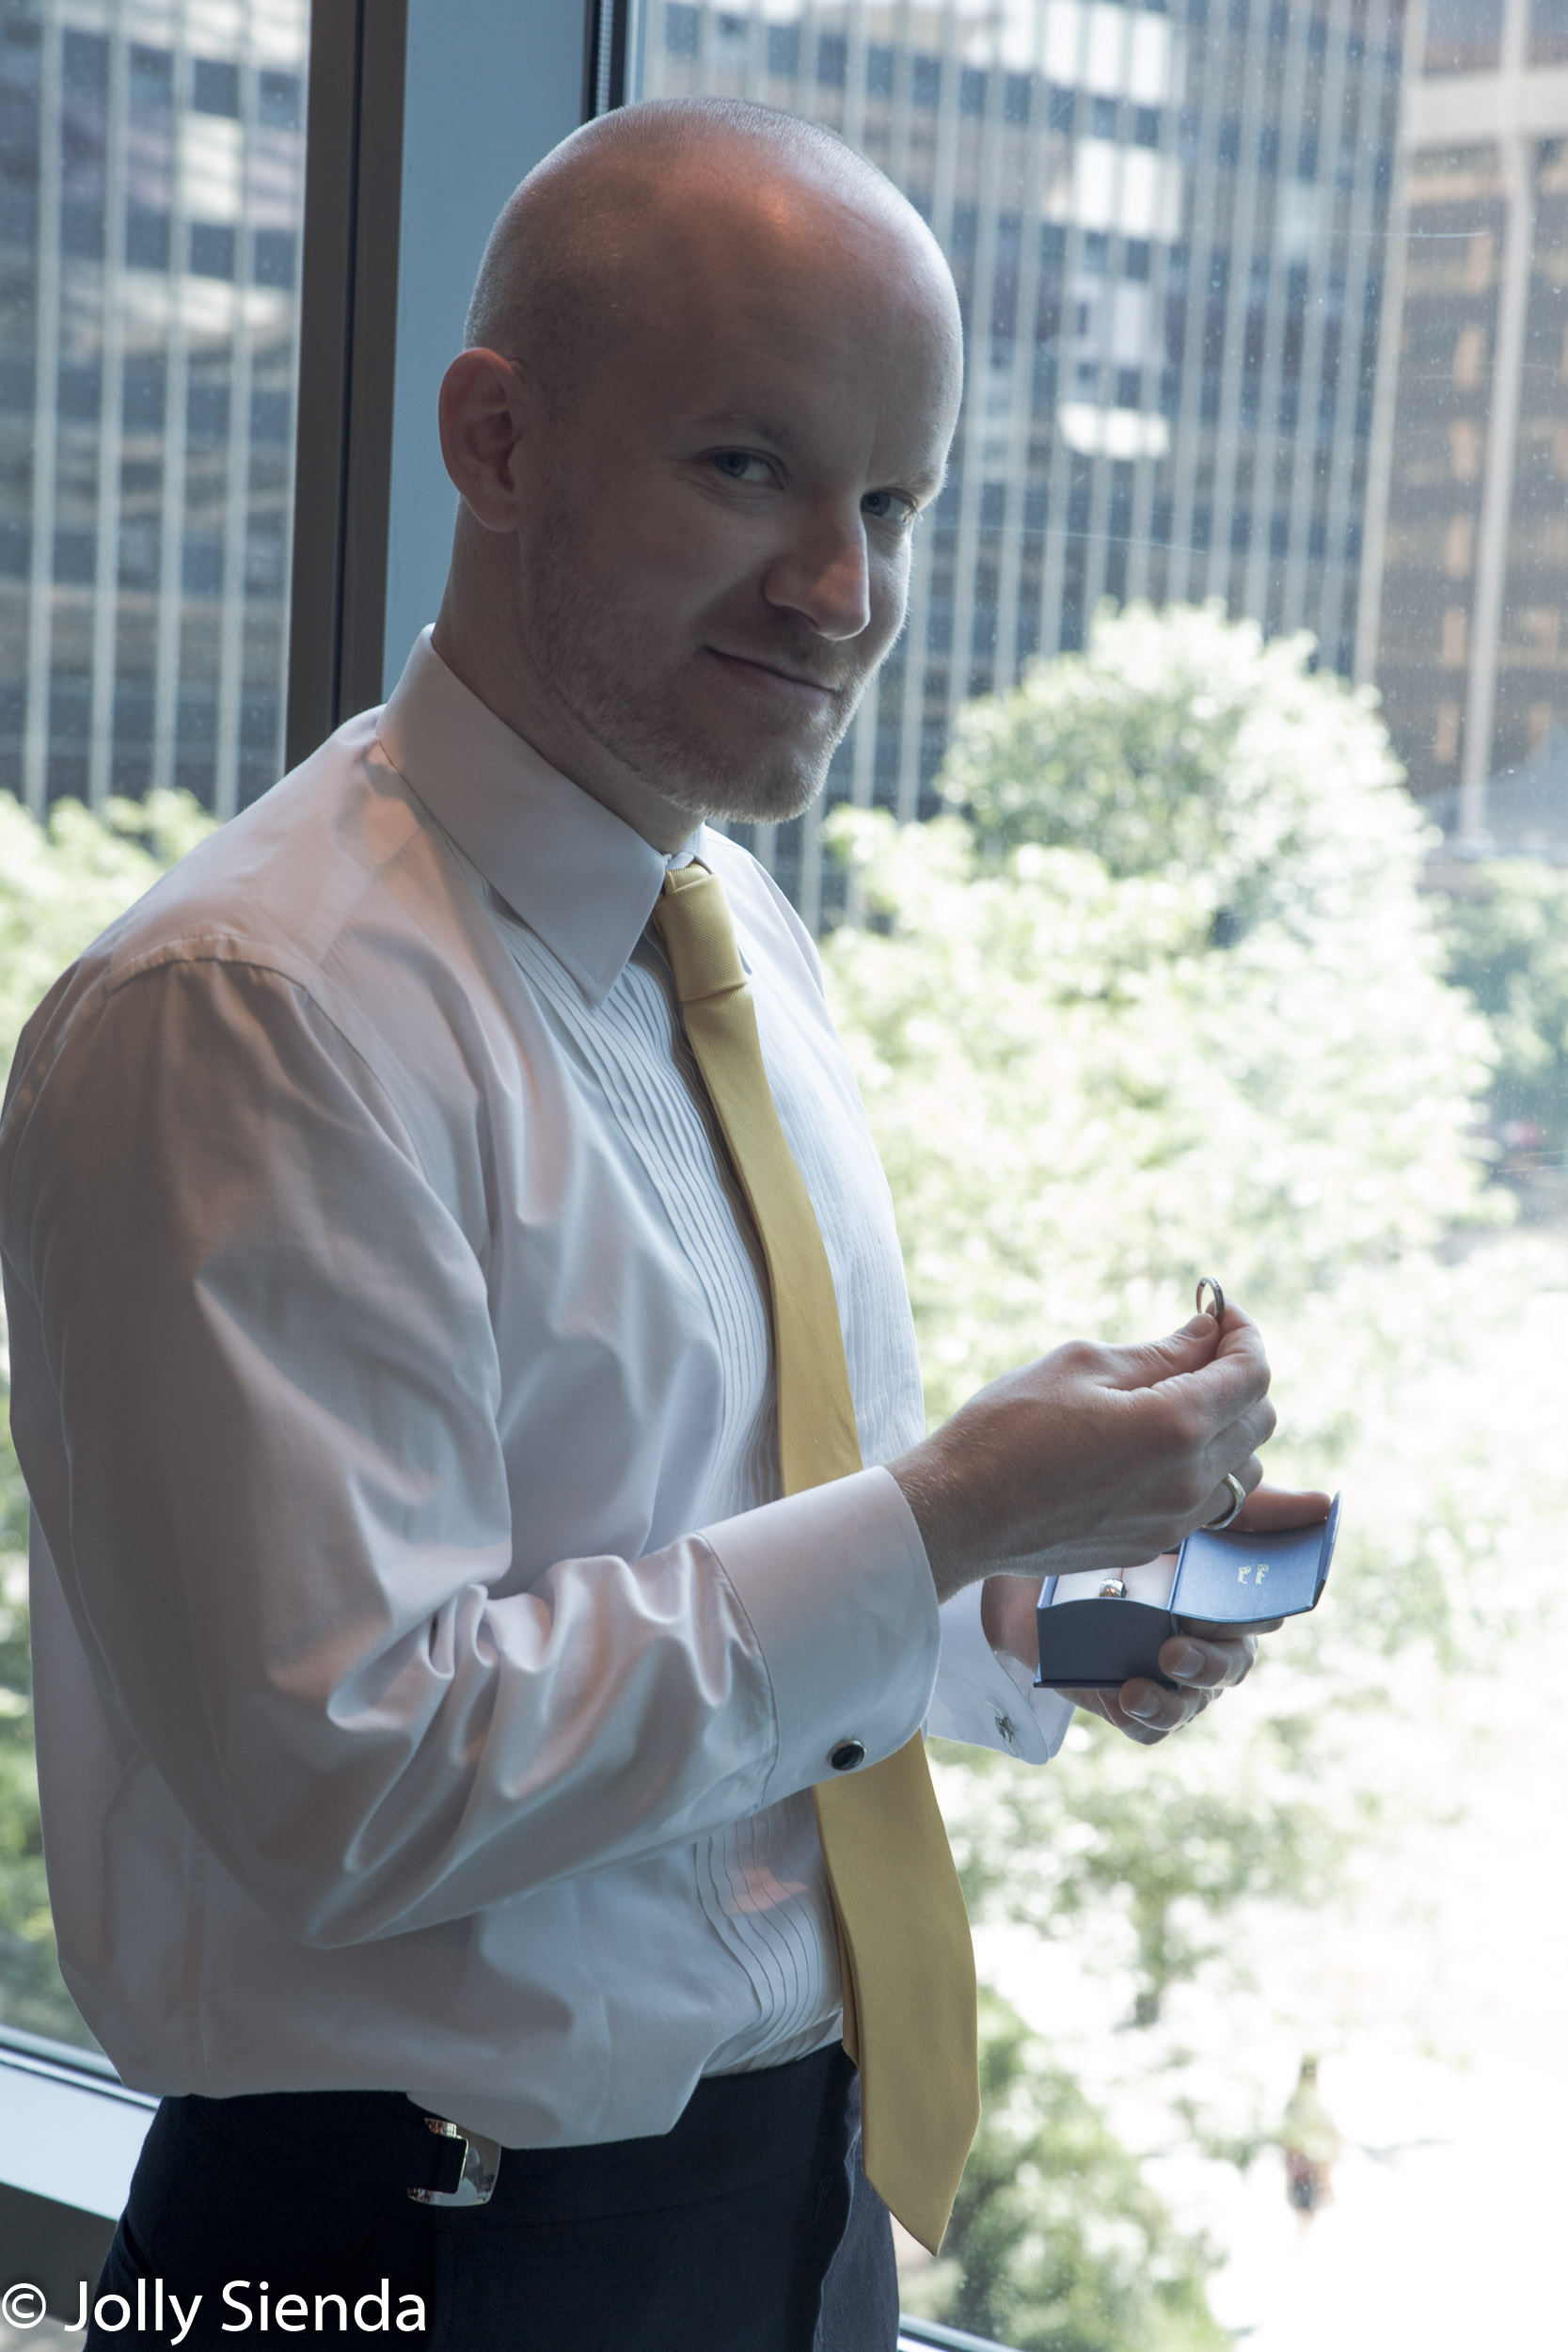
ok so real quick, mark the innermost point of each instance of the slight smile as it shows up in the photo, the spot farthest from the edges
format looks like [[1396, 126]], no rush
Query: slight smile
[[784, 683]]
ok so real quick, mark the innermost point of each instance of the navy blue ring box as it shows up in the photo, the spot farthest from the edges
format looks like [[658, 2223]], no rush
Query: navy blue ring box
[[1088, 1642]]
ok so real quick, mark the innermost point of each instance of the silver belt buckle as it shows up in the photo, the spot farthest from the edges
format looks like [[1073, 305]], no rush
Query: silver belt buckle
[[481, 2162]]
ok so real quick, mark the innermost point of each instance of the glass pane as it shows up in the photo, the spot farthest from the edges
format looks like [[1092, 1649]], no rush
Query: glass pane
[[1167, 238], [1548, 36], [1217, 963], [152, 163], [1464, 35], [151, 179]]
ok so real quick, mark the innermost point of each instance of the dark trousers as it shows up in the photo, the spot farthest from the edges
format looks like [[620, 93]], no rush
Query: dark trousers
[[748, 2227]]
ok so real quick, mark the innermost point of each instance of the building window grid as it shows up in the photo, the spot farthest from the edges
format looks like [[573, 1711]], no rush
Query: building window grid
[[1366, 225], [965, 131], [1260, 590], [103, 658], [1201, 242], [1148, 561], [1439, 300], [90, 645], [1014, 620], [977, 437], [1067, 591], [926, 682], [1235, 446], [34, 620]]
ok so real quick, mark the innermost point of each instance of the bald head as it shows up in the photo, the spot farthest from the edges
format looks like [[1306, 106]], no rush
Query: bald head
[[585, 248], [714, 368]]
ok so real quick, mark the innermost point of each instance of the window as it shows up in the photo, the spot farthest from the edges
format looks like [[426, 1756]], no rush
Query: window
[[1266, 403], [156, 185], [143, 543], [1237, 385], [1281, 327]]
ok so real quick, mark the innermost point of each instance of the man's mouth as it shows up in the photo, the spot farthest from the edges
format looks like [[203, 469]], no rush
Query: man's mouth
[[773, 677]]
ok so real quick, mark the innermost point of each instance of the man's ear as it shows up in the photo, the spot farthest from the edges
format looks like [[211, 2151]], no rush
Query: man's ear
[[483, 412]]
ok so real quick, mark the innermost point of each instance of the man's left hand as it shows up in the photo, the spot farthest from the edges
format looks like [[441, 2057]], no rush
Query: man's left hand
[[1202, 1660]]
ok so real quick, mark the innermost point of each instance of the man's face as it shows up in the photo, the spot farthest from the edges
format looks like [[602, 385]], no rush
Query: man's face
[[718, 523]]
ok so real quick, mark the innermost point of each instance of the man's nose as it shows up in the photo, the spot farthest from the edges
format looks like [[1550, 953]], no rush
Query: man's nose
[[825, 576]]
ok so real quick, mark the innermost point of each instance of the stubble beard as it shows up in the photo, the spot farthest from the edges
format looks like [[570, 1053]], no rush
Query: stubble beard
[[589, 654]]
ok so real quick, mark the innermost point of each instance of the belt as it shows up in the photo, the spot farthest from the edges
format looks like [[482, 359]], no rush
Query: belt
[[378, 2149]]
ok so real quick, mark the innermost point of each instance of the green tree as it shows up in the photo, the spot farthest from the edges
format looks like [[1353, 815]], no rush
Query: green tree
[[1088, 1088], [60, 884], [1507, 940], [1056, 2243], [1181, 745], [1162, 996]]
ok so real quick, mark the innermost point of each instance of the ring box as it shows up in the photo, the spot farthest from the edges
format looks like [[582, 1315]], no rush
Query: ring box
[[1091, 1642]]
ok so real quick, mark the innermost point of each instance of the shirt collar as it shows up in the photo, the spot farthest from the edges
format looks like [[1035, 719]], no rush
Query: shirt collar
[[579, 875]]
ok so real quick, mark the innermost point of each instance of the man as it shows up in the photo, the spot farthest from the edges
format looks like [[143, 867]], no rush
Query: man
[[479, 1685]]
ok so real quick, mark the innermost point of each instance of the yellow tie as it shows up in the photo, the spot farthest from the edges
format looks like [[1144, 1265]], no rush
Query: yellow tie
[[904, 1944]]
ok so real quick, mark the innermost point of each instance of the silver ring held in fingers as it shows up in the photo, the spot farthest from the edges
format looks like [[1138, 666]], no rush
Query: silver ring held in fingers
[[1237, 1497], [1207, 1282]]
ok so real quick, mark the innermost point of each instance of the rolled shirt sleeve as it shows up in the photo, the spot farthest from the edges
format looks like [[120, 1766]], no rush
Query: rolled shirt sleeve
[[284, 1525]]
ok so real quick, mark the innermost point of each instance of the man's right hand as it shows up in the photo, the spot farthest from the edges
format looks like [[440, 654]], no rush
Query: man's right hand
[[1093, 1457]]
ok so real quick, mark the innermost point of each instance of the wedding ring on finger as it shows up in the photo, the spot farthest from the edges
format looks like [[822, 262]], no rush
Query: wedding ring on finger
[[1237, 1497]]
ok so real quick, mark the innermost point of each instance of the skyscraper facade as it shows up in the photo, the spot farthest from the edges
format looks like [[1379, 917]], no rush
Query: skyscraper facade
[[152, 161], [1466, 632], [1168, 228], [1168, 225]]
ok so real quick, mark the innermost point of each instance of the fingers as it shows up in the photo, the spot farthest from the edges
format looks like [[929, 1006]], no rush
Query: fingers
[[1208, 1387], [1232, 1372], [1201, 1660], [1249, 1474], [1209, 1657], [1207, 1632], [1244, 1432], [1272, 1507], [1151, 1362], [1147, 1712]]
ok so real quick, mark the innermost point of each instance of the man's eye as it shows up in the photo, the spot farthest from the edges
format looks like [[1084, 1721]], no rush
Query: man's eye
[[739, 464], [888, 506]]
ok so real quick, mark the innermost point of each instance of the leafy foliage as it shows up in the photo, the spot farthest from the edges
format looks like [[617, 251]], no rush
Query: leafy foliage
[[1507, 940], [63, 882], [1171, 1851], [60, 884], [1056, 2242], [1181, 745], [1162, 996], [1087, 1089]]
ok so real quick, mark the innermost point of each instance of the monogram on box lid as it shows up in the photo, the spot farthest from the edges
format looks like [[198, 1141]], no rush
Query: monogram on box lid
[[1097, 1630]]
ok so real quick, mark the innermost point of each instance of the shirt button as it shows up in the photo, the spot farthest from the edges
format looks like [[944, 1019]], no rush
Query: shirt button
[[848, 1754]]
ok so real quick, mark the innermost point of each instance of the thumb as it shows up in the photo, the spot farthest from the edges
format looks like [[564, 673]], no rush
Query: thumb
[[1148, 1362]]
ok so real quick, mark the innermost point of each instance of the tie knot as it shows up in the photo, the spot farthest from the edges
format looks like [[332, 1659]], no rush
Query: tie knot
[[692, 917]]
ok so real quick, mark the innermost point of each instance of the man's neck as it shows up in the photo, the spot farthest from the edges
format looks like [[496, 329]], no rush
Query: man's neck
[[505, 688]]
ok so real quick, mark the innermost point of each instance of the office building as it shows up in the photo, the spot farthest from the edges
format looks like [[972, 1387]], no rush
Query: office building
[[1465, 619], [1167, 226], [151, 159]]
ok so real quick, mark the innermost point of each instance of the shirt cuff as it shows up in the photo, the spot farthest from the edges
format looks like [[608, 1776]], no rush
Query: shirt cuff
[[839, 1594], [987, 1699]]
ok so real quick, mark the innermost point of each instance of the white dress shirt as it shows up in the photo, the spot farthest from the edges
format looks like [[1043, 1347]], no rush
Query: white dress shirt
[[430, 1681]]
